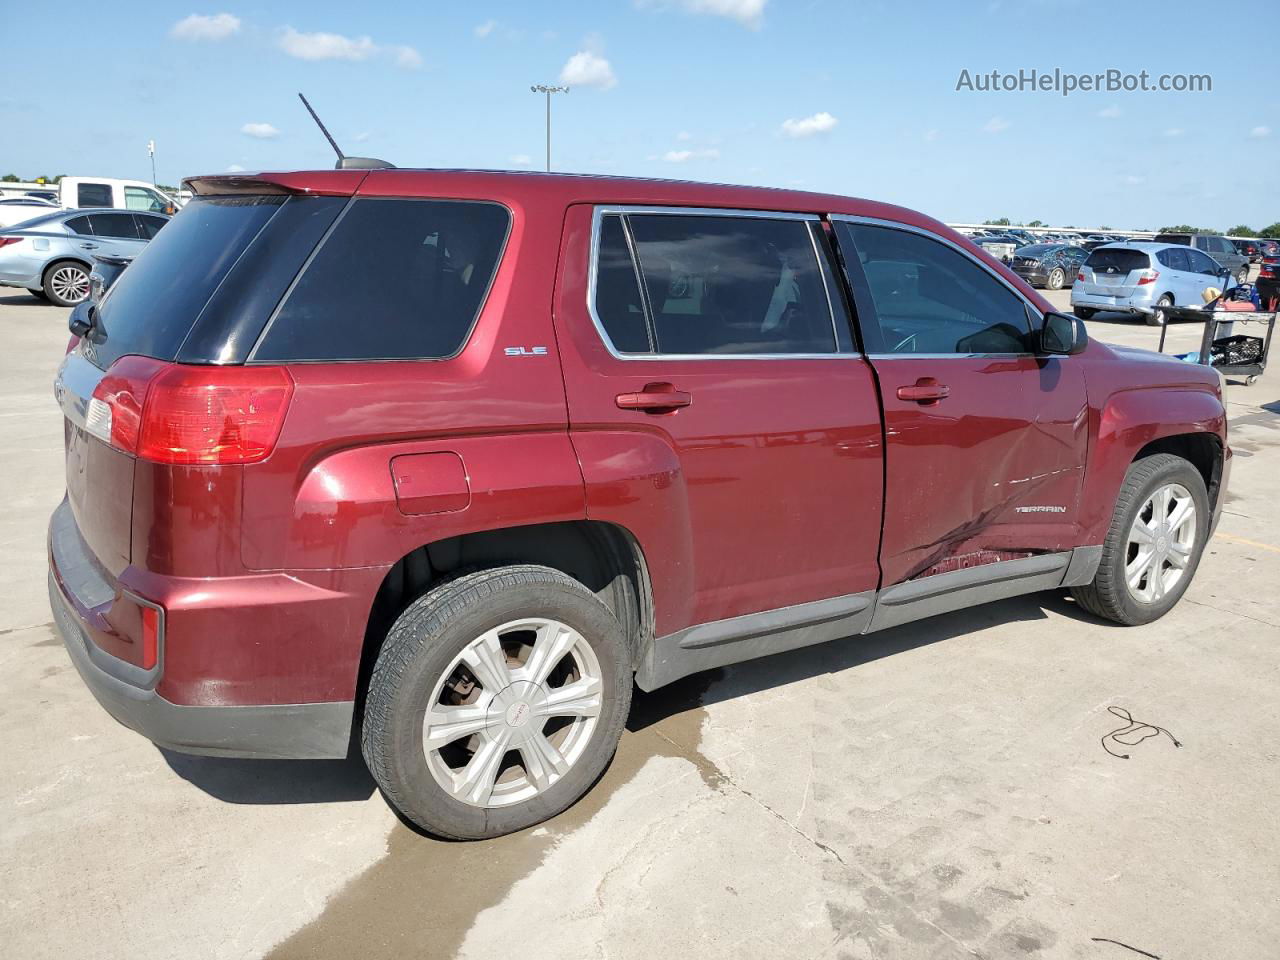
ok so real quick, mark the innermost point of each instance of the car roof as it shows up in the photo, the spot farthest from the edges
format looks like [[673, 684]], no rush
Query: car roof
[[1146, 246], [62, 216]]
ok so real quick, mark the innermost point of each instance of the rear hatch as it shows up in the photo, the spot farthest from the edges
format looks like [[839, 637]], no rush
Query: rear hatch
[[200, 293], [1114, 271]]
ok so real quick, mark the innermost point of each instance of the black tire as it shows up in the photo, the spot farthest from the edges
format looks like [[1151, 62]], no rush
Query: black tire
[[50, 287], [1084, 313], [1108, 595], [1057, 279], [38, 294], [1242, 276], [1160, 318], [421, 645]]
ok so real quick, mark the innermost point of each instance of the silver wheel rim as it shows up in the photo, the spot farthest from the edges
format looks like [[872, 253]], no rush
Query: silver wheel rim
[[1161, 541], [513, 712], [70, 284], [1055, 279]]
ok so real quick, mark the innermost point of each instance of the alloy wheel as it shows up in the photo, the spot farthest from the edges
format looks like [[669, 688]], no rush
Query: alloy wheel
[[512, 713], [1161, 543], [70, 284]]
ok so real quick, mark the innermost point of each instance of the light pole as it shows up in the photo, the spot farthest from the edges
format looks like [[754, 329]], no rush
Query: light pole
[[543, 88], [151, 151]]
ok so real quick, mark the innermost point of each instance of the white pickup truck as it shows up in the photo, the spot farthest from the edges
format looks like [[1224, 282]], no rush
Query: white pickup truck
[[77, 192]]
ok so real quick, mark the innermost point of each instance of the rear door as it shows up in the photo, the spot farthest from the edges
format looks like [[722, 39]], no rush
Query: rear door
[[985, 440], [114, 234], [718, 408]]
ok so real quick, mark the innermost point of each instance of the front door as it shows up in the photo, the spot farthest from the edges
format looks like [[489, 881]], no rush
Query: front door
[[985, 441], [717, 407]]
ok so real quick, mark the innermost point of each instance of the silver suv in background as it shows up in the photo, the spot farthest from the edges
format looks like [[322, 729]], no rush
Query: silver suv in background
[[1219, 248], [1144, 279]]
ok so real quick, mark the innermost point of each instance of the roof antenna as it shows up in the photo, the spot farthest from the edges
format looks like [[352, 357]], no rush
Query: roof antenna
[[345, 162]]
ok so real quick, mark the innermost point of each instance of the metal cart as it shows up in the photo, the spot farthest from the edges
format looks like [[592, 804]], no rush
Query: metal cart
[[1232, 353]]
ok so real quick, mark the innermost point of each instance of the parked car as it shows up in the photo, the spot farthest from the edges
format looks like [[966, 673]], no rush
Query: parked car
[[104, 272], [79, 193], [30, 203], [51, 256], [1268, 248], [1145, 279], [1000, 246], [1268, 281], [1219, 248], [420, 460], [1052, 265], [1246, 246]]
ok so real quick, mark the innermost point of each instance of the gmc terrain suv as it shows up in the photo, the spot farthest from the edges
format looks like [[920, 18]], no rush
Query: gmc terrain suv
[[443, 462]]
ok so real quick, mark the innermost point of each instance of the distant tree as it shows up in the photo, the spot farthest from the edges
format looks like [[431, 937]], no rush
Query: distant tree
[[1241, 231], [1186, 228], [11, 178], [1037, 223], [1271, 233], [1002, 222], [1105, 227]]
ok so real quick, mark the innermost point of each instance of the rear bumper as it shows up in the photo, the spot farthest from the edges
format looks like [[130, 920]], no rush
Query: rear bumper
[[78, 599], [1036, 277], [1140, 301]]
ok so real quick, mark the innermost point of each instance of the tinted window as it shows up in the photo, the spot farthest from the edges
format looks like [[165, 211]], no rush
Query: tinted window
[[1202, 263], [148, 227], [154, 304], [80, 225], [119, 226], [732, 285], [1117, 260], [1174, 259], [1182, 238], [1036, 250], [395, 279], [93, 195], [930, 298], [618, 302], [139, 198]]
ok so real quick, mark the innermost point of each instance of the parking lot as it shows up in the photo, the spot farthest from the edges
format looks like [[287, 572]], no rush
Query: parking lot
[[937, 790]]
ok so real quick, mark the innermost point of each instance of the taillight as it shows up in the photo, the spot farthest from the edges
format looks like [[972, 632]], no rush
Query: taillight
[[5, 241], [150, 637], [190, 414], [1148, 276], [1080, 275]]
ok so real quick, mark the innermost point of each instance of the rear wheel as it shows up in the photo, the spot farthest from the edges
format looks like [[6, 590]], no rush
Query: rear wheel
[[1057, 279], [1154, 544], [66, 283], [1084, 313], [1159, 318], [1242, 275], [496, 701]]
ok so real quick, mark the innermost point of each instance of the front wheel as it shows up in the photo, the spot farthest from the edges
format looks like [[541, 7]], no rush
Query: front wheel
[[38, 294], [1242, 277], [496, 701], [1084, 313], [1154, 544]]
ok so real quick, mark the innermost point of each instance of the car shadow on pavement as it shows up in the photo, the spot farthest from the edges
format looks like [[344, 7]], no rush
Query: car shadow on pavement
[[275, 781], [23, 300], [754, 676]]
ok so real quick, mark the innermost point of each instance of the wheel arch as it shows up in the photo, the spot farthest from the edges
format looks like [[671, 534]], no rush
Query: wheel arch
[[604, 557]]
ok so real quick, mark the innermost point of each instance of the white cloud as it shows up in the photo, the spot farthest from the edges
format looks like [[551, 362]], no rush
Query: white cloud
[[808, 126], [682, 156], [335, 46], [260, 131], [996, 125], [235, 168], [749, 13], [361, 137], [520, 160], [1110, 113], [219, 26], [586, 69], [485, 28], [1134, 181], [1257, 133], [1174, 132], [931, 135]]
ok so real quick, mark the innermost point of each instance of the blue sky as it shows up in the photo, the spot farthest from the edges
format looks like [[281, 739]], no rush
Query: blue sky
[[848, 96]]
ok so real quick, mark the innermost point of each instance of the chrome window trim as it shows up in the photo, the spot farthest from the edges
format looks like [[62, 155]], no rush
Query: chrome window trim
[[600, 211], [967, 254]]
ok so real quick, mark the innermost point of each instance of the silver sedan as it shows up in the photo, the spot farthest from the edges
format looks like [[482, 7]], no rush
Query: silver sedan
[[51, 255]]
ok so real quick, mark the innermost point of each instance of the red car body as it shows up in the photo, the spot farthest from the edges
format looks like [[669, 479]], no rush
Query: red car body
[[227, 608]]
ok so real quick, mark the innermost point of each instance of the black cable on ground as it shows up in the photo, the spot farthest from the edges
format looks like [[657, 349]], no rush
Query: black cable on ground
[[1132, 728]]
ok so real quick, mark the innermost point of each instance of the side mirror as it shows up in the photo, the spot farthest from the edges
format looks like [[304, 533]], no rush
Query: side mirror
[[170, 210], [81, 320], [1062, 335]]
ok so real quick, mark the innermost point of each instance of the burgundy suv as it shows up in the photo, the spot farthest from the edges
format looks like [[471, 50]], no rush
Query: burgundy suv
[[443, 462]]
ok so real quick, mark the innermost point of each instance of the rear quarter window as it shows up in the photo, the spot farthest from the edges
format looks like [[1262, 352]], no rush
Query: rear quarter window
[[396, 279]]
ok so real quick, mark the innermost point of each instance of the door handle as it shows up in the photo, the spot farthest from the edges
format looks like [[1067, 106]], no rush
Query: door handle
[[89, 246], [925, 390], [654, 398]]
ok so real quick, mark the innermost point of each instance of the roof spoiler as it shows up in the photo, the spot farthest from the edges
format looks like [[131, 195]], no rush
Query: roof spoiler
[[345, 162]]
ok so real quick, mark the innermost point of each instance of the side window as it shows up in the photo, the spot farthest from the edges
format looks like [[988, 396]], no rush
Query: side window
[[138, 198], [119, 226], [93, 195], [1174, 258], [81, 225], [394, 280], [930, 298], [1202, 263], [148, 227], [618, 303], [732, 285]]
